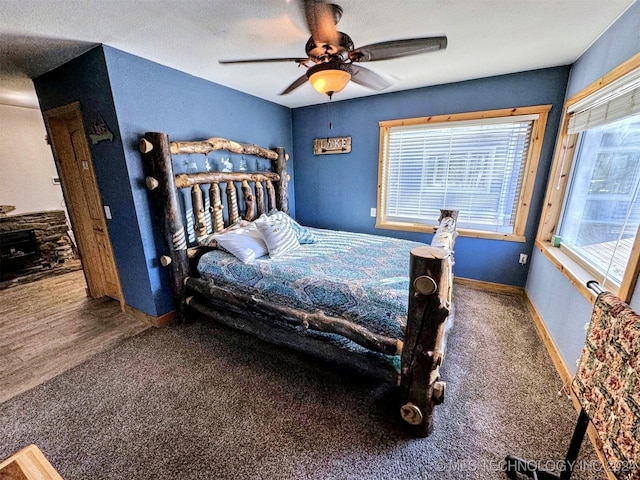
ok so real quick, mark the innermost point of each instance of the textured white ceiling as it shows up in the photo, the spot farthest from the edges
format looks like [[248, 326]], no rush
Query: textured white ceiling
[[486, 37]]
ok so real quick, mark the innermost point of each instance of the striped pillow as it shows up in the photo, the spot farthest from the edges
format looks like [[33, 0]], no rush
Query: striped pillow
[[278, 234], [302, 234]]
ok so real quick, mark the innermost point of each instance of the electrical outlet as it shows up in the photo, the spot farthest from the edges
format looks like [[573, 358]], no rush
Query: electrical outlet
[[523, 258], [373, 212]]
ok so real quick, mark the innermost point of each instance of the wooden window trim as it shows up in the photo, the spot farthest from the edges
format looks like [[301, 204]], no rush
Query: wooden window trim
[[531, 168], [556, 188]]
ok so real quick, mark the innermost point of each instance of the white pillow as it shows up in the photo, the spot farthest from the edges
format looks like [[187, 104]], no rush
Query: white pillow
[[245, 243], [209, 240], [278, 234]]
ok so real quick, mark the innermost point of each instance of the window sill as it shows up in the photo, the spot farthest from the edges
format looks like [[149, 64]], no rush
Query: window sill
[[571, 269], [462, 232]]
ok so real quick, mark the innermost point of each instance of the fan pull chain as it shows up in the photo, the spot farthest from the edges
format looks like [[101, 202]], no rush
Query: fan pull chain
[[329, 118]]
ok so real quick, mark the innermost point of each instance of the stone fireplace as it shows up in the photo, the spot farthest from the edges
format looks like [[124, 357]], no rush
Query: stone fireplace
[[35, 245]]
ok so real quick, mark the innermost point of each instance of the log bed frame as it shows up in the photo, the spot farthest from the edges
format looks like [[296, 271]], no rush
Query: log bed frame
[[430, 310]]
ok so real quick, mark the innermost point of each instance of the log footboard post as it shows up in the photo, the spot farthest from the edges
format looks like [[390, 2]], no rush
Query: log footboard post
[[156, 156], [422, 355]]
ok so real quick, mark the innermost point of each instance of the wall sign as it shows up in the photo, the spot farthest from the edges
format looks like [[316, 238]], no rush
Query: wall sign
[[99, 131], [326, 146]]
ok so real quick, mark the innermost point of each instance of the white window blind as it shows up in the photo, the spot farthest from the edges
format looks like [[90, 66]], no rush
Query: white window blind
[[618, 100], [476, 166]]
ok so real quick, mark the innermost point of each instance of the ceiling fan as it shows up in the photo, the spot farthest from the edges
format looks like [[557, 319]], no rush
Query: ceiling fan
[[332, 60]]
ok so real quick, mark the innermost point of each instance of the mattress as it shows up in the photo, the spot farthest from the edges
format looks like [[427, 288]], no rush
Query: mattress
[[360, 277]]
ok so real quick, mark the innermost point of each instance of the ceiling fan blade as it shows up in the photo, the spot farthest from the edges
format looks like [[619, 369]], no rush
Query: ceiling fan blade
[[299, 82], [322, 18], [265, 60], [367, 78], [397, 48]]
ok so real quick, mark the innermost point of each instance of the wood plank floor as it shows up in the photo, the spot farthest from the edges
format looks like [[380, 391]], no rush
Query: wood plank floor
[[50, 326]]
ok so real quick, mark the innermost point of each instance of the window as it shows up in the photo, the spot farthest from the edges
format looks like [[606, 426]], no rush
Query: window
[[601, 216], [481, 163], [594, 196]]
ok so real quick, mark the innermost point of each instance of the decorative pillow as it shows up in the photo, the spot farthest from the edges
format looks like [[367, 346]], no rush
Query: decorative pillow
[[277, 233], [302, 234], [245, 243], [209, 240]]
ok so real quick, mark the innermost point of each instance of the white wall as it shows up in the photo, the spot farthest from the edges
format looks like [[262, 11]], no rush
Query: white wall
[[26, 162]]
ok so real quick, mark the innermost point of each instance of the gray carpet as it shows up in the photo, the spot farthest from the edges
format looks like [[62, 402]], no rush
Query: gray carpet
[[204, 402]]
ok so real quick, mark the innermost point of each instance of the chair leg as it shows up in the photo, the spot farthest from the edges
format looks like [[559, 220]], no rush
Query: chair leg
[[576, 443], [514, 465]]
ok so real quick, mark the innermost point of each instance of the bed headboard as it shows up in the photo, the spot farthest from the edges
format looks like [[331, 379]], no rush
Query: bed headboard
[[230, 196]]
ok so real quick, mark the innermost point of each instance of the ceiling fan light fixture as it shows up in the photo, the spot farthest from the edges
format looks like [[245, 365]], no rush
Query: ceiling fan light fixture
[[332, 59], [329, 78]]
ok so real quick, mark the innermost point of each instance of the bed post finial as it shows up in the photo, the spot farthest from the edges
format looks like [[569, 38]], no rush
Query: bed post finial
[[282, 185], [156, 157], [448, 212]]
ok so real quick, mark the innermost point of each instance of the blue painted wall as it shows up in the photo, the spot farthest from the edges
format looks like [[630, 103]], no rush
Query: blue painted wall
[[338, 191], [135, 96], [562, 308], [85, 79], [151, 97]]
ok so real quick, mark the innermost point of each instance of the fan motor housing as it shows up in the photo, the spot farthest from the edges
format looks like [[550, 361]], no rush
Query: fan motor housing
[[322, 51]]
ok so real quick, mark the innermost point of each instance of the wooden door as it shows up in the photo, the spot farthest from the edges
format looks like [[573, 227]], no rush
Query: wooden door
[[75, 166]]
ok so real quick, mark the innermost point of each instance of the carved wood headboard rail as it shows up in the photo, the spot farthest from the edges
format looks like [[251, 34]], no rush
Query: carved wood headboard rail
[[255, 186], [215, 143]]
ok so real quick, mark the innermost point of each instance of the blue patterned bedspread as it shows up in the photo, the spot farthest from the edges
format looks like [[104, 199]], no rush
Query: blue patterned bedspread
[[363, 278]]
